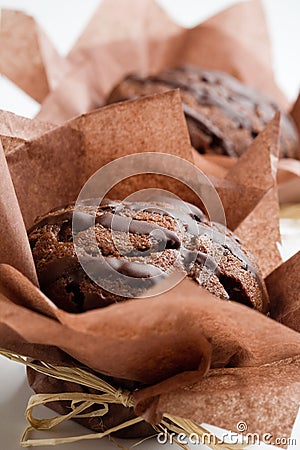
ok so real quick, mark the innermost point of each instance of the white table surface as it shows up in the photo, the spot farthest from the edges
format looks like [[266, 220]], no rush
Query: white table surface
[[63, 20]]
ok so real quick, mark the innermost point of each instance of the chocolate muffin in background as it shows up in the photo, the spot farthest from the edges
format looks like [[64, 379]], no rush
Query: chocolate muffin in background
[[223, 114], [144, 242]]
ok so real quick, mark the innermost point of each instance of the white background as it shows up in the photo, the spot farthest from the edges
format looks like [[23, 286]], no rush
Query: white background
[[63, 20]]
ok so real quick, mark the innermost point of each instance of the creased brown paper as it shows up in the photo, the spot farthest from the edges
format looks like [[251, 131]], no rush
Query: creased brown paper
[[139, 347], [27, 56], [288, 174], [244, 395], [147, 41], [283, 287], [14, 130], [260, 230], [256, 168], [142, 341], [233, 21], [83, 145], [14, 247]]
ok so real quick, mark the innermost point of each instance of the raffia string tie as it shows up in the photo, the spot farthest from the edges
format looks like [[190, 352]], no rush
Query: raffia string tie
[[80, 402]]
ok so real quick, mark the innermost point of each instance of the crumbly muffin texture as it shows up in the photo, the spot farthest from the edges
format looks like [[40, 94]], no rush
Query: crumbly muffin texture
[[145, 242], [223, 114]]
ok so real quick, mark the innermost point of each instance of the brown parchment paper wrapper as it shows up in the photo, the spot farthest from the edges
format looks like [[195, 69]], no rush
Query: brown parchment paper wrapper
[[167, 341], [265, 215], [14, 247], [14, 129], [127, 340], [288, 175], [232, 385], [27, 56], [273, 387], [128, 35], [283, 287]]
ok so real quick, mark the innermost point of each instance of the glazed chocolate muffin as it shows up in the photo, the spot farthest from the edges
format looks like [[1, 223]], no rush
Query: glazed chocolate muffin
[[127, 248], [145, 242], [223, 115]]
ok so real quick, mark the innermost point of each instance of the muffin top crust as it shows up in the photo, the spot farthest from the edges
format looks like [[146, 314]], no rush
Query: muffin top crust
[[130, 246]]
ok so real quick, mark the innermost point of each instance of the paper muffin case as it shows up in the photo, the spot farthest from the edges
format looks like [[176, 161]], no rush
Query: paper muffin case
[[187, 333], [28, 58], [44, 165], [126, 36]]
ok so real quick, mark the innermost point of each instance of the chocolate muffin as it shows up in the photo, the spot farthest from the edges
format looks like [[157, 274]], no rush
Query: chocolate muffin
[[145, 242], [127, 248], [223, 114]]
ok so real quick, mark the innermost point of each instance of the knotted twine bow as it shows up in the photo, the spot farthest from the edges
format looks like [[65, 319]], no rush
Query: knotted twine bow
[[109, 394]]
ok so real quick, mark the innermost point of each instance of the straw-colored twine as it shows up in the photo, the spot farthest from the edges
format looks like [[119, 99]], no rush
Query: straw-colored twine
[[109, 394]]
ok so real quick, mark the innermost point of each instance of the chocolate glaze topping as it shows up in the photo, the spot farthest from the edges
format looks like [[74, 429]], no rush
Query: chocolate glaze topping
[[128, 225], [162, 237]]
